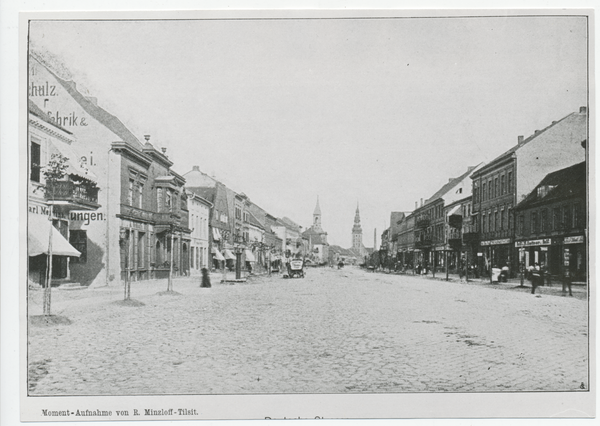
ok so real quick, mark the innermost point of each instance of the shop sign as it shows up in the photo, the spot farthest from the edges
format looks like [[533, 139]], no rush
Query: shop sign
[[574, 240], [530, 243], [44, 210], [479, 254], [134, 225], [86, 217], [544, 248], [496, 242]]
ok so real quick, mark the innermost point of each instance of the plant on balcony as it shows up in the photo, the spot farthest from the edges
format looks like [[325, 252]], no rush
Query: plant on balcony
[[56, 168]]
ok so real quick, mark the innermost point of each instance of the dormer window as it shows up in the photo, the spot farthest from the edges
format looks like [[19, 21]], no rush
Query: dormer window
[[543, 190]]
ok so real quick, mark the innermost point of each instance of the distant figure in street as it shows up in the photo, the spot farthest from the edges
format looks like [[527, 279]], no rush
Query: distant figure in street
[[536, 277], [504, 274], [567, 280], [205, 278]]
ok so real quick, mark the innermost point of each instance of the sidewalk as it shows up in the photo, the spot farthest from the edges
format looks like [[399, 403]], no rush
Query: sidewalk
[[554, 288]]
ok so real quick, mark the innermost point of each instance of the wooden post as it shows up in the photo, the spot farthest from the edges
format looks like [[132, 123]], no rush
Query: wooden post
[[48, 289], [467, 265], [446, 260]]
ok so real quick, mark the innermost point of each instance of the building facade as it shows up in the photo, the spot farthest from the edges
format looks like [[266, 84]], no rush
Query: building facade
[[52, 199], [551, 224], [199, 209], [127, 235], [504, 182]]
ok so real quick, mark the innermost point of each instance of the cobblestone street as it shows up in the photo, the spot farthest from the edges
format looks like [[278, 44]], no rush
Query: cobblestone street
[[336, 331]]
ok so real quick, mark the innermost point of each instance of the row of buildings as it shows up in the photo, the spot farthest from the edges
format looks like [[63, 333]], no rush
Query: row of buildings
[[108, 204], [528, 205]]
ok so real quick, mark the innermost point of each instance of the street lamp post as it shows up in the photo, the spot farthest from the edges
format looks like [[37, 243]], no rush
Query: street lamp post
[[238, 262]]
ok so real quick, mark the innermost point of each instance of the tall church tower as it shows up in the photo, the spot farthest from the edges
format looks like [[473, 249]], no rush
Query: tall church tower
[[357, 231], [317, 217]]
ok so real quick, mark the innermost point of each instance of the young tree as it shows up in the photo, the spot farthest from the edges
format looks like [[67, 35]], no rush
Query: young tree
[[53, 172]]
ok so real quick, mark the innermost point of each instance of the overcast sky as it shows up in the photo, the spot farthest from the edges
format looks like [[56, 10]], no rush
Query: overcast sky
[[381, 112]]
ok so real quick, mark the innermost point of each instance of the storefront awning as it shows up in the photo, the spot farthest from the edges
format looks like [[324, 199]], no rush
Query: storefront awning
[[455, 211], [228, 254], [216, 234], [249, 256], [217, 254], [38, 239]]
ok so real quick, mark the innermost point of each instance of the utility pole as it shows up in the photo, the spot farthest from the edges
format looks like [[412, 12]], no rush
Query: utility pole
[[446, 261], [48, 289]]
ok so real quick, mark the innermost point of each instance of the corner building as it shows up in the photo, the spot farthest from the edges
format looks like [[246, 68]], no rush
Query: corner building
[[510, 177], [141, 214]]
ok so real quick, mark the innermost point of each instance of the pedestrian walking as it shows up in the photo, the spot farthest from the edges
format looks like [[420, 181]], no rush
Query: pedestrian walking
[[205, 278], [536, 277], [567, 282]]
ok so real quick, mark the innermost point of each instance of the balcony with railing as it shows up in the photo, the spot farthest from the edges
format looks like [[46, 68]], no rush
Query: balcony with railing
[[453, 234], [423, 221], [72, 195]]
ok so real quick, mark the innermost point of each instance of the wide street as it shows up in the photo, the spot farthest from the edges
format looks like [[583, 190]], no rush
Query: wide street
[[336, 331]]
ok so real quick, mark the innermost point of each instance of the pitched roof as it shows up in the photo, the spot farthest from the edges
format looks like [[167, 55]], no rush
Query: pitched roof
[[565, 183], [447, 187], [519, 145], [35, 110], [206, 193], [108, 120], [252, 220]]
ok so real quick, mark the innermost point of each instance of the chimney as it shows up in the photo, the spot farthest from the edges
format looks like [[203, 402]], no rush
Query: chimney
[[147, 137], [536, 132], [416, 205], [520, 139], [196, 168], [164, 150], [421, 202], [582, 110]]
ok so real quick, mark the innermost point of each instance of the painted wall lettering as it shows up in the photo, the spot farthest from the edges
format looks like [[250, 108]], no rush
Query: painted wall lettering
[[44, 89], [67, 120], [86, 217]]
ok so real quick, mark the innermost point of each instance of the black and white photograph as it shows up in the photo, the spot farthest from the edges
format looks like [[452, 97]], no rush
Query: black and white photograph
[[314, 206]]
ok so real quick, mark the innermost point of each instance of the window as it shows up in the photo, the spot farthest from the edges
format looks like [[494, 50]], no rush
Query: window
[[521, 224], [556, 219], [238, 212], [78, 239], [483, 193], [544, 220], [502, 185], [534, 223], [130, 192], [490, 190], [159, 199], [484, 219], [567, 217], [497, 220], [502, 218], [578, 217], [140, 195], [35, 162], [168, 200], [496, 188], [475, 192], [510, 182]]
